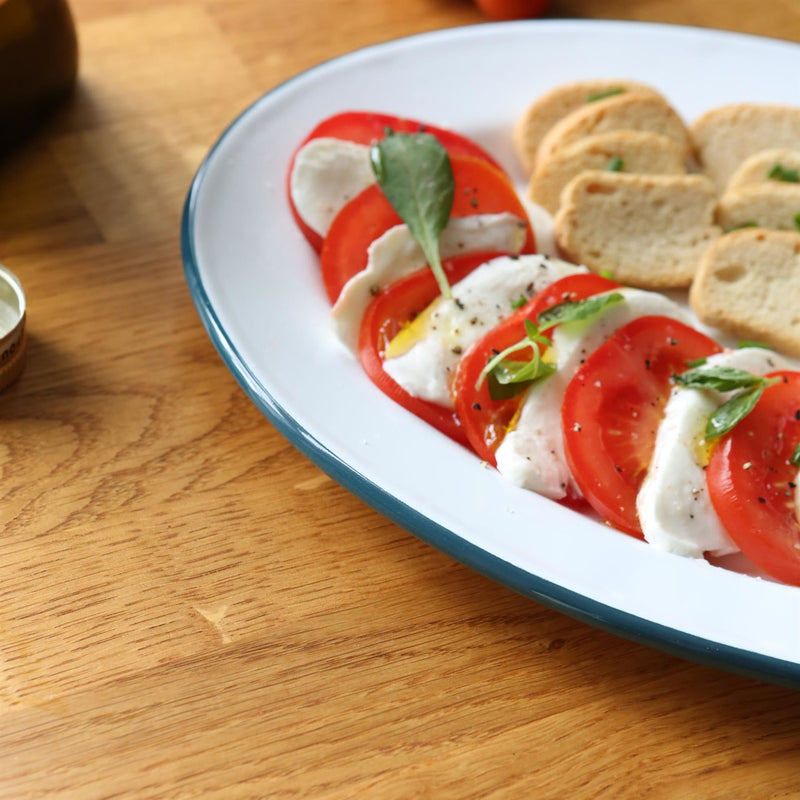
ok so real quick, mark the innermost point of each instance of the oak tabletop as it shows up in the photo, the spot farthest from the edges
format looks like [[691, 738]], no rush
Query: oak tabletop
[[188, 606]]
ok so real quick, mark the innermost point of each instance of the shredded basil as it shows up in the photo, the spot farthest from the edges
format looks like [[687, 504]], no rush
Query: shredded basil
[[593, 98], [616, 164], [413, 170], [577, 310], [779, 173]]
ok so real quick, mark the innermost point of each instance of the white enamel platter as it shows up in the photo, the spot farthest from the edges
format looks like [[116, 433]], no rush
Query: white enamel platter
[[256, 286]]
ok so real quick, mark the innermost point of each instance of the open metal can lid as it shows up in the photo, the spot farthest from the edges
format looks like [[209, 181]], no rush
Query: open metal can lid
[[12, 327]]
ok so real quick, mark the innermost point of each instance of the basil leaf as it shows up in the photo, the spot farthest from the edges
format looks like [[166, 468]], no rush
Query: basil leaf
[[795, 457], [577, 310], [615, 165], [510, 378], [593, 98], [721, 379], [779, 173], [414, 172], [729, 414]]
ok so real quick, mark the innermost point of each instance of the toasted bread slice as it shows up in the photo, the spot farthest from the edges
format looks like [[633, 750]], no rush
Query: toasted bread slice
[[726, 135], [618, 151], [761, 205], [549, 108], [646, 230], [748, 285], [776, 165], [636, 111]]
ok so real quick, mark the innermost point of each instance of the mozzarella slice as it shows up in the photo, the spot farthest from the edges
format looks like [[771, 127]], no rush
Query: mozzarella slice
[[674, 508], [532, 454], [396, 254], [449, 327], [326, 174]]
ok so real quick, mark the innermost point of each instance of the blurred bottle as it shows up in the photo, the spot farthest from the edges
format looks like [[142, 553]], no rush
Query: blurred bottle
[[38, 63]]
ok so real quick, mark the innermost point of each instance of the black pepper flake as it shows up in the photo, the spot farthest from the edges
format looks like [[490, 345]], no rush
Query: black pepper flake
[[514, 257], [476, 406], [673, 342], [474, 202], [459, 304], [797, 414], [457, 349], [647, 363], [474, 321], [792, 485], [617, 467], [374, 290], [762, 500]]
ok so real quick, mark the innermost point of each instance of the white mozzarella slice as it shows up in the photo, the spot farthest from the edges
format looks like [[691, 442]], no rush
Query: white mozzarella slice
[[674, 508], [532, 454], [396, 254], [326, 174], [479, 302]]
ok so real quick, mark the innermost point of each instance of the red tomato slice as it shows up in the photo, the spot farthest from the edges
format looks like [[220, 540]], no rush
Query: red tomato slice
[[614, 405], [751, 481], [365, 127], [485, 420], [386, 315], [479, 189]]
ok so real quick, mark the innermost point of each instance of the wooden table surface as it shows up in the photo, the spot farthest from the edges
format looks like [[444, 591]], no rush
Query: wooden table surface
[[188, 607]]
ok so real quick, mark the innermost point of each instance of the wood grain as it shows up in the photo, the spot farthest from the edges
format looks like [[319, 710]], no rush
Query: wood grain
[[190, 608]]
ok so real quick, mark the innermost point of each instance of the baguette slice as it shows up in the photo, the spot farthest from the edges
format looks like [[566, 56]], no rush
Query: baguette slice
[[648, 231], [766, 166], [550, 107], [727, 135], [636, 111], [762, 205], [637, 152], [748, 285]]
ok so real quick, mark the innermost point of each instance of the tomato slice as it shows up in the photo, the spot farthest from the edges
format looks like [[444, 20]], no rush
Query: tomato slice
[[479, 189], [752, 483], [485, 421], [388, 313], [614, 405], [366, 127]]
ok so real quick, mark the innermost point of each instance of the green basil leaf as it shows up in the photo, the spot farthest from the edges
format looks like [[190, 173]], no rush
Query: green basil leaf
[[510, 378], [729, 414], [413, 170], [779, 173], [795, 457], [577, 310], [721, 379], [593, 98], [615, 165]]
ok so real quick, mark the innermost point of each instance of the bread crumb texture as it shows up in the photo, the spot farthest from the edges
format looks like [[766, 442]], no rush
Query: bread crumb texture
[[648, 231], [746, 284]]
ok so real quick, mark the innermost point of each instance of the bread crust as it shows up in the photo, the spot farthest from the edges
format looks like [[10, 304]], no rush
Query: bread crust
[[547, 109], [629, 111], [637, 151]]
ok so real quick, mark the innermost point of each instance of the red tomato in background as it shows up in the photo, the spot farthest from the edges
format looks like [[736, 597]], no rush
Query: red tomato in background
[[751, 481], [382, 321], [485, 421], [366, 127], [613, 406], [479, 189], [512, 9]]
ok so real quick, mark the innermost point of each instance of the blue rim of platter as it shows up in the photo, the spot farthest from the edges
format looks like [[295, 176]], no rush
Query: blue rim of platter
[[669, 640]]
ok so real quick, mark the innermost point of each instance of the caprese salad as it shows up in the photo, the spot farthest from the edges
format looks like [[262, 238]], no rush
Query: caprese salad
[[569, 384]]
